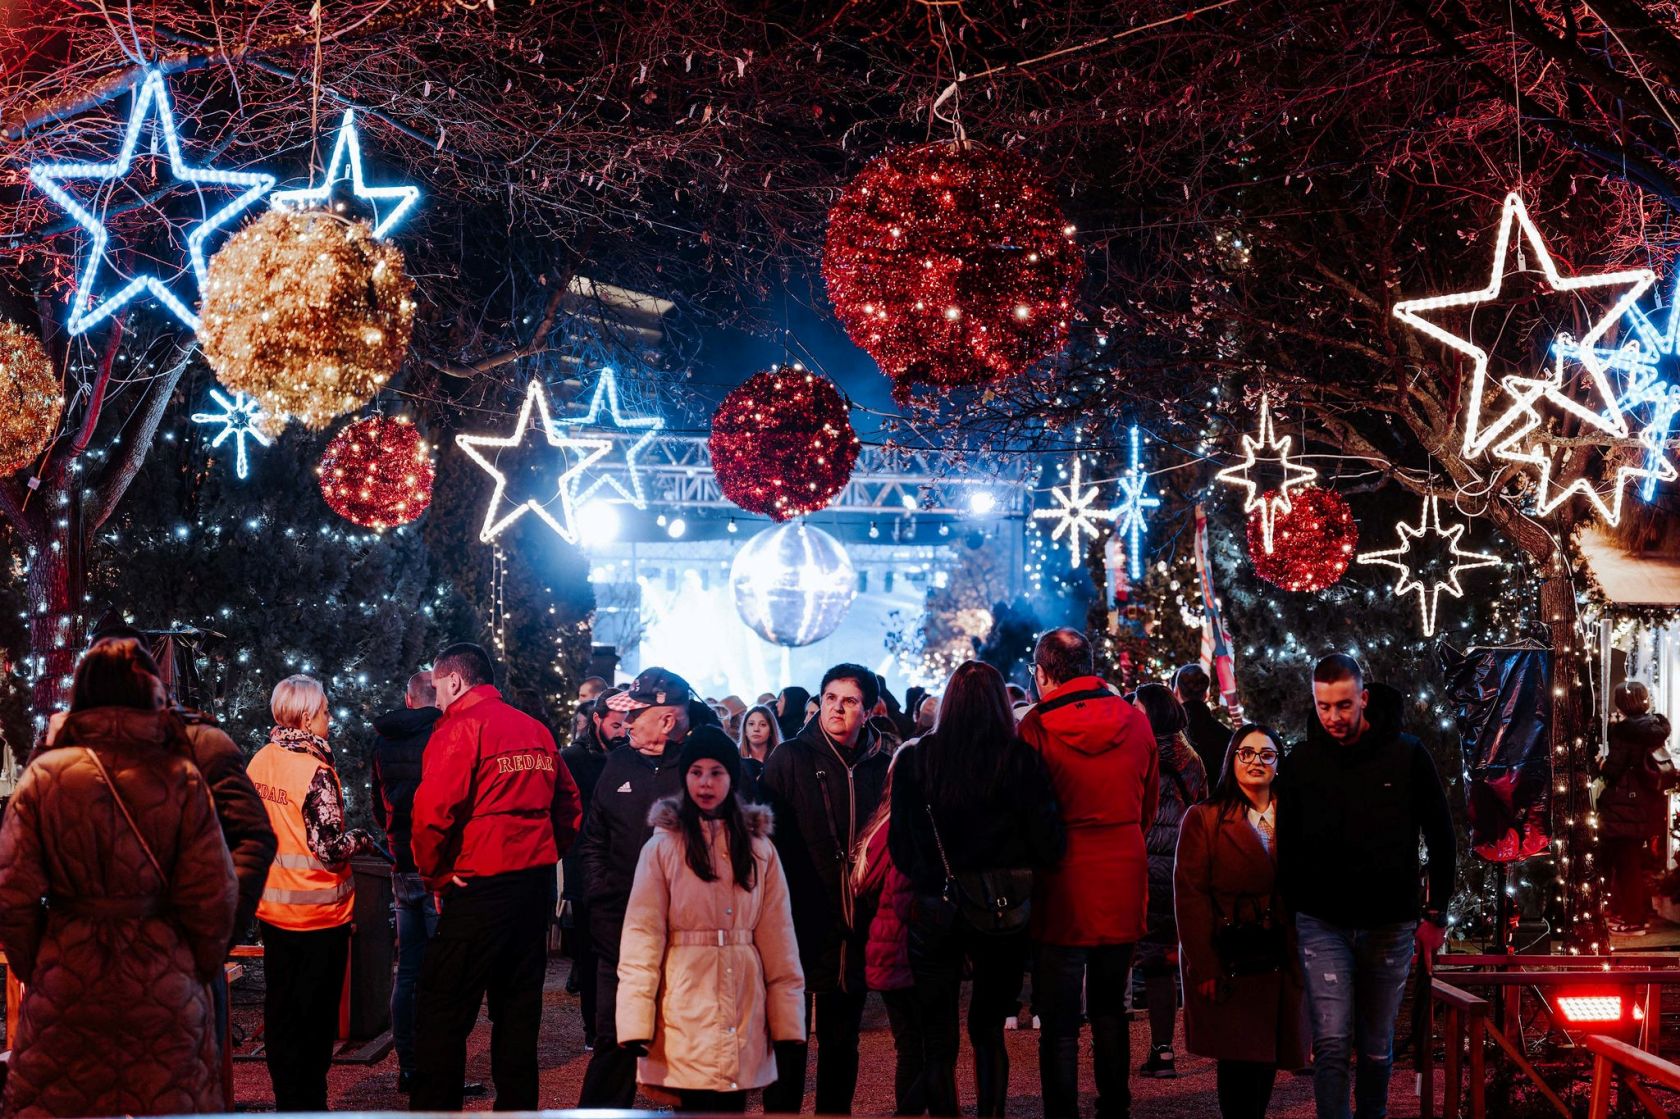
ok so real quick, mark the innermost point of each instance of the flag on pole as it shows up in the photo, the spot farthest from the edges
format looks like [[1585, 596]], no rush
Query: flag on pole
[[1217, 659]]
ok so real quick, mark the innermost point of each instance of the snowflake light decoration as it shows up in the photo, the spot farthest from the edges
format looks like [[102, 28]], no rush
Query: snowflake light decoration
[[240, 418], [1128, 515], [347, 156], [588, 452], [1272, 449], [1429, 590], [1074, 514], [151, 99], [606, 392]]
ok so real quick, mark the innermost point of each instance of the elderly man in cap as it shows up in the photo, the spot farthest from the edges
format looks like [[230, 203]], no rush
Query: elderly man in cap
[[656, 709]]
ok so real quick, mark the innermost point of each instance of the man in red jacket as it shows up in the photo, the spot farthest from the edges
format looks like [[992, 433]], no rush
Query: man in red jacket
[[1090, 911], [494, 812]]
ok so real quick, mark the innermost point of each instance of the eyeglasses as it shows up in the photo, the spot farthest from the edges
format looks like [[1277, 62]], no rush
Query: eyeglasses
[[1268, 757]]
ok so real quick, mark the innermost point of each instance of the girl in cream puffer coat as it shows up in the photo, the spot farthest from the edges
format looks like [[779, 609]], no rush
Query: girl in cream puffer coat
[[709, 975]]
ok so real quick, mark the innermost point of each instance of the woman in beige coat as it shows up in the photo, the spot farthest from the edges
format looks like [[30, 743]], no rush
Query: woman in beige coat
[[708, 971]]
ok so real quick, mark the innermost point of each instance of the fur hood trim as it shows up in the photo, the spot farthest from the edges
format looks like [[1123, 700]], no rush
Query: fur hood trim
[[761, 822]]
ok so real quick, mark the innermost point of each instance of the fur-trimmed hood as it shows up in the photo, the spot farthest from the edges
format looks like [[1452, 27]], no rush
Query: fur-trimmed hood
[[761, 822]]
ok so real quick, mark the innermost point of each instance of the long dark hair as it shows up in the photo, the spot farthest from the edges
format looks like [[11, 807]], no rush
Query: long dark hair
[[1227, 794], [116, 672], [964, 756], [699, 852]]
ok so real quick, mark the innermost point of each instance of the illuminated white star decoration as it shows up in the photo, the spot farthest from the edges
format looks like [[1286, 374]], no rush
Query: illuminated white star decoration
[[1505, 434], [347, 156], [1128, 515], [1429, 593], [588, 451], [1270, 502], [606, 392], [151, 98], [1074, 514], [1647, 361], [239, 418]]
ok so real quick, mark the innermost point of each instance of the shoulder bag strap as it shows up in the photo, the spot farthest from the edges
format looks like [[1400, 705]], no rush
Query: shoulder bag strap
[[940, 844], [1075, 697], [122, 805]]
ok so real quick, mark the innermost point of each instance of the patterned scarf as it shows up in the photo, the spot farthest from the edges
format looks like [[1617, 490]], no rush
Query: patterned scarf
[[301, 741]]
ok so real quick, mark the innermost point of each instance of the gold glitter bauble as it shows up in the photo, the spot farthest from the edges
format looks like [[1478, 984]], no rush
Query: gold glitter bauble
[[308, 313], [30, 400]]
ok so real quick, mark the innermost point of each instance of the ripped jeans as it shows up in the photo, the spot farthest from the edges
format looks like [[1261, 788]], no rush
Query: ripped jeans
[[1355, 979]]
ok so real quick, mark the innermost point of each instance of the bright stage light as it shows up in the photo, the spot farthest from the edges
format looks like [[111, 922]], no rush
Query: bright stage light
[[598, 523], [982, 503], [676, 528]]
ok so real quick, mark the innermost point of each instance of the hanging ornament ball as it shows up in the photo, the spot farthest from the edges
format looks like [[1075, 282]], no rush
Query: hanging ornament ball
[[793, 584], [377, 473], [30, 400], [1312, 544], [952, 264], [782, 444], [308, 313]]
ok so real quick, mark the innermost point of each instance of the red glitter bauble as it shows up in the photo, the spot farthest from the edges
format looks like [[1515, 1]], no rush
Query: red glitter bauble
[[782, 444], [1312, 544], [952, 264], [377, 473]]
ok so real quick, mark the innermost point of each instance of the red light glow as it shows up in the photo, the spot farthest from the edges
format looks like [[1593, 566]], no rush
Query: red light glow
[[1591, 1008]]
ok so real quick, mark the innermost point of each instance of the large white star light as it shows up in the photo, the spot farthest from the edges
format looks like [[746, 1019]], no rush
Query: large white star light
[[1270, 502], [151, 99], [1508, 428], [240, 418], [1128, 515], [606, 392], [1429, 591], [1073, 513], [588, 451], [347, 156]]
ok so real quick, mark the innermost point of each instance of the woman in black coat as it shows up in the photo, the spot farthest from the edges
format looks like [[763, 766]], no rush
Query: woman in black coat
[[969, 797], [1632, 809]]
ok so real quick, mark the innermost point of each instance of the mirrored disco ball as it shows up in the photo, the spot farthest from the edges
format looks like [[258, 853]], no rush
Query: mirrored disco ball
[[793, 584]]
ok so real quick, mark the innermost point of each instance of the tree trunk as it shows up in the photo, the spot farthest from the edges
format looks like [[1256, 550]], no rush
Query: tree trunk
[[1584, 927], [54, 602]]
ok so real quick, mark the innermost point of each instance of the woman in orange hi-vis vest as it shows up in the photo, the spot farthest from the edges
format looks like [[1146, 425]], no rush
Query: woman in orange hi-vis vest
[[306, 902]]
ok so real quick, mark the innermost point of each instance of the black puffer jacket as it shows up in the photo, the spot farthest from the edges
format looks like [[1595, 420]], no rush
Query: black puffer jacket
[[397, 750], [1632, 805], [1183, 783], [822, 798], [614, 831]]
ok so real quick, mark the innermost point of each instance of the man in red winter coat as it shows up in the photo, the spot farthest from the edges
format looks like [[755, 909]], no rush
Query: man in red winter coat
[[495, 810], [1090, 911]]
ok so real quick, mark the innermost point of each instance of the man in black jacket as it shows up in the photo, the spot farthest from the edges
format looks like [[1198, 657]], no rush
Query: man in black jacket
[[823, 786], [586, 757], [398, 746], [1352, 801], [656, 711], [1208, 736]]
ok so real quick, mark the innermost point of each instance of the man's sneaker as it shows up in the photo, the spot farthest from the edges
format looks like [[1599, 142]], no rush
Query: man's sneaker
[[1160, 1064]]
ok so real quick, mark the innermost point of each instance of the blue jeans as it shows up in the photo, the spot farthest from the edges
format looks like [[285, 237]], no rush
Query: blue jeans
[[1355, 979], [416, 923]]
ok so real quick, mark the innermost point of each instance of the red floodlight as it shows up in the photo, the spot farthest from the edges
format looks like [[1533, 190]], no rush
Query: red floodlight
[[1582, 1009]]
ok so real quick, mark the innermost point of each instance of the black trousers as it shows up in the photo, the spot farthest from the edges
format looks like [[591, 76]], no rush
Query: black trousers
[[304, 973], [1245, 1088], [1630, 888], [1103, 971], [585, 966], [910, 1044], [838, 1018], [610, 1079], [999, 968], [492, 940], [718, 1103]]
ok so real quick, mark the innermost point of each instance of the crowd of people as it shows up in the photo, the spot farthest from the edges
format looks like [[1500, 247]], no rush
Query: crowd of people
[[736, 880]]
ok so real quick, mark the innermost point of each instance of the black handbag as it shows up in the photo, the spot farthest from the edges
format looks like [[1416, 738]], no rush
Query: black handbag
[[992, 902], [1257, 946]]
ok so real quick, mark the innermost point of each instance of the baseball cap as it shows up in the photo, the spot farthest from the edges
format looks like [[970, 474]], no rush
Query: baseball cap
[[655, 687]]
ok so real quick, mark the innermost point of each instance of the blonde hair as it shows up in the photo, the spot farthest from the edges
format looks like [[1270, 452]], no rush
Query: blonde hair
[[296, 700]]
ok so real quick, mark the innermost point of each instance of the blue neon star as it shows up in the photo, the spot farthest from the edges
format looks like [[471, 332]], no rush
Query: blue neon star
[[606, 391], [348, 146], [1128, 514], [152, 97], [239, 418], [1648, 363]]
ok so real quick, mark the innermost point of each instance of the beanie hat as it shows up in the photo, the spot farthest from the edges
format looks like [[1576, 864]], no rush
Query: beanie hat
[[709, 742]]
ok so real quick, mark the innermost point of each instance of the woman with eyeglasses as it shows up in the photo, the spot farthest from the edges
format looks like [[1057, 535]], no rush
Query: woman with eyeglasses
[[1242, 988]]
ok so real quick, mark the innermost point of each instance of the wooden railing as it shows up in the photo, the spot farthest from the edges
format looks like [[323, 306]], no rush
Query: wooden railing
[[1614, 1060]]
